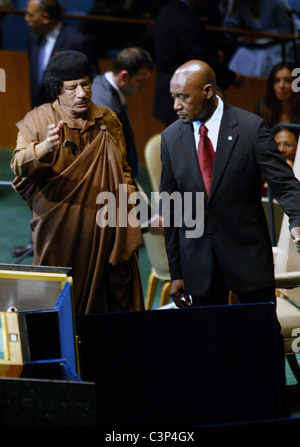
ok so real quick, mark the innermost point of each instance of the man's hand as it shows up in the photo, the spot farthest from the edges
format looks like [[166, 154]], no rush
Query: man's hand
[[53, 137], [157, 226], [178, 295], [296, 237]]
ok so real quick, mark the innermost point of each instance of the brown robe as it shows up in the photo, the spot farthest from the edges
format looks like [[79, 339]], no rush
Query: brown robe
[[62, 195]]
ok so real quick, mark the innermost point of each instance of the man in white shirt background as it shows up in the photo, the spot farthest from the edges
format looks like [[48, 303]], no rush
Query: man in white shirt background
[[131, 69]]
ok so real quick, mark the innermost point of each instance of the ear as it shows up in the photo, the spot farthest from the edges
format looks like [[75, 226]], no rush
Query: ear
[[209, 90], [123, 76], [45, 17]]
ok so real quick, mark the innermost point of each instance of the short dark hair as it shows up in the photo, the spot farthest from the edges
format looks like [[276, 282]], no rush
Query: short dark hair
[[54, 84], [52, 7], [293, 128], [132, 59]]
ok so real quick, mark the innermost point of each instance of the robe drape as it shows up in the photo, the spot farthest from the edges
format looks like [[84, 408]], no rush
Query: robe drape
[[104, 260]]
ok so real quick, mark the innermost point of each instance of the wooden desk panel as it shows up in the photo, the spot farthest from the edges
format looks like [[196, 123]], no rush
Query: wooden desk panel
[[249, 94], [15, 102]]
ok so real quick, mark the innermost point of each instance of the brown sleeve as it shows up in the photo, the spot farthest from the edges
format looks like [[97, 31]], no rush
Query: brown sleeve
[[27, 157]]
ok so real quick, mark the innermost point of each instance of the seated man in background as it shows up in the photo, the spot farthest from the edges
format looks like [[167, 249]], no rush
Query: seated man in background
[[67, 153]]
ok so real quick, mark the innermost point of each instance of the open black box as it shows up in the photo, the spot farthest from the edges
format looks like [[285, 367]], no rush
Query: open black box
[[49, 390], [42, 297]]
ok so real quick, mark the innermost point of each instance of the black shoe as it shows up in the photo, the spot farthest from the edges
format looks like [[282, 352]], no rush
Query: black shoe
[[21, 250]]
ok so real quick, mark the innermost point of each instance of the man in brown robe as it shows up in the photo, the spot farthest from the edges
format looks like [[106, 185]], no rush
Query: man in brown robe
[[67, 153]]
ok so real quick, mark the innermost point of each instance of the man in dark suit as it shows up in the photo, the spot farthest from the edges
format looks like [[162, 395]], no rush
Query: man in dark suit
[[131, 68], [234, 252], [181, 35], [49, 36]]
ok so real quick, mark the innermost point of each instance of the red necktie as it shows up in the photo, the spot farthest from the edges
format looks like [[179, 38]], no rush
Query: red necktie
[[206, 155]]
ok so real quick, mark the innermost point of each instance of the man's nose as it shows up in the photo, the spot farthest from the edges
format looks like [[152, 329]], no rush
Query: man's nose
[[282, 149], [80, 91], [177, 104]]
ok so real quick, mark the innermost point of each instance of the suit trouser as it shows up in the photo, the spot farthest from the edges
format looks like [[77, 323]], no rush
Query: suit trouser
[[219, 291]]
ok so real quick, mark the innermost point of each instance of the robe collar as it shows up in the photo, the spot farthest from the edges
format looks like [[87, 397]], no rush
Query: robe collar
[[94, 112]]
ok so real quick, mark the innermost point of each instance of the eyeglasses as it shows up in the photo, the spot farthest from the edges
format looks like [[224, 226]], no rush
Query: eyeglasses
[[287, 145]]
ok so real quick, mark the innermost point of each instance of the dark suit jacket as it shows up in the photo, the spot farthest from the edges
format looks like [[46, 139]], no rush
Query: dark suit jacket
[[105, 95], [235, 228], [69, 38], [180, 36]]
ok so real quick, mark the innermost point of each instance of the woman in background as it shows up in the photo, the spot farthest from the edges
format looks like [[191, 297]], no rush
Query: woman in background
[[280, 104]]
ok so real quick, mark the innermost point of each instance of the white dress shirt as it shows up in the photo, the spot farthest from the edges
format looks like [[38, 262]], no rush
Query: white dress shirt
[[212, 124], [108, 77], [50, 42]]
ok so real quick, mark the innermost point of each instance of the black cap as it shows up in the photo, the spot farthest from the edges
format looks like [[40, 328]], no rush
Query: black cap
[[69, 65]]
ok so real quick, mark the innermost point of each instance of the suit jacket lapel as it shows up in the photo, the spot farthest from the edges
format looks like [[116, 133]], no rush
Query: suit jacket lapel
[[226, 141], [60, 41], [115, 95]]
